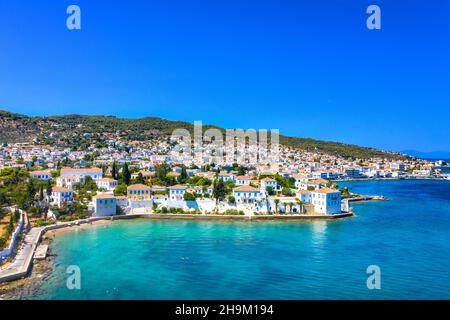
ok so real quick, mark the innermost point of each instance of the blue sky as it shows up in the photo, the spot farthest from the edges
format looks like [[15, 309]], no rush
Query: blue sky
[[308, 68]]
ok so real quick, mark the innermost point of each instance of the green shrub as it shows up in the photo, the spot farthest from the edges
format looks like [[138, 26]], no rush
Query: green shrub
[[233, 212], [2, 243]]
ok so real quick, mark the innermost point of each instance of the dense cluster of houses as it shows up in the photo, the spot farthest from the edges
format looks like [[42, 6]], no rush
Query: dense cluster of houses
[[256, 191]]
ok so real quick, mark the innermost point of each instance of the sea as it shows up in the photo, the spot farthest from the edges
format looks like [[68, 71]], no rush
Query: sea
[[395, 249]]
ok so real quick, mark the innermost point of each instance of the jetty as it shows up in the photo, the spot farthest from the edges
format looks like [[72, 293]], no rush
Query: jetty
[[367, 198], [41, 252]]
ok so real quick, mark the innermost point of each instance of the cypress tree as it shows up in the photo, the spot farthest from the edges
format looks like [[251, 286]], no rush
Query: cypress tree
[[114, 170], [126, 175], [41, 193], [49, 188], [140, 178]]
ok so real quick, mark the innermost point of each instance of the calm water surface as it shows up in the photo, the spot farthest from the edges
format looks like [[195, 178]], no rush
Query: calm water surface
[[408, 237]]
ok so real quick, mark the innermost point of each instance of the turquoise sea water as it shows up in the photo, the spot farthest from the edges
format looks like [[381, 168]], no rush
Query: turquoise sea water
[[408, 237]]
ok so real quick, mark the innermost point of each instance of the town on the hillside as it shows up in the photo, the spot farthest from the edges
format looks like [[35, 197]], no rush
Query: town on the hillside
[[43, 185]]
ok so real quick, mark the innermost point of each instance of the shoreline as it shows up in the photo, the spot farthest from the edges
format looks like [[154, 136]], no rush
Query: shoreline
[[24, 286], [22, 268], [184, 216], [81, 227], [13, 282], [389, 179]]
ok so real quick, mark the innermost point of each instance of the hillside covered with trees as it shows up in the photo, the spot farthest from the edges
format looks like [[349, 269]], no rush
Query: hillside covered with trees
[[88, 129]]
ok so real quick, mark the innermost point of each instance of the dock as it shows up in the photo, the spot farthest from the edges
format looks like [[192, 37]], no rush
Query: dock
[[367, 198], [41, 252]]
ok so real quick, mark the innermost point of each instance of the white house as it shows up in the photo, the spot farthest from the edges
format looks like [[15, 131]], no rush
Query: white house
[[323, 174], [242, 181], [226, 176], [303, 195], [398, 166], [122, 201], [177, 192], [422, 172], [41, 174], [314, 183], [299, 178], [268, 182], [326, 200], [104, 204], [107, 184], [94, 173], [246, 194], [61, 195], [69, 181]]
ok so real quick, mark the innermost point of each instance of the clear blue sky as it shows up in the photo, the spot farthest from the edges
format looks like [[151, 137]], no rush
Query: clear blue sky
[[308, 68]]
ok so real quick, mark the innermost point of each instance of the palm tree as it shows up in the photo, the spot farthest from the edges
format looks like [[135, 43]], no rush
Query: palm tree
[[277, 201], [291, 204], [301, 204]]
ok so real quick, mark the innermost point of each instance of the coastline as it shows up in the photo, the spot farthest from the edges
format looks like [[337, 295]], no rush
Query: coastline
[[40, 234], [51, 233], [40, 270], [83, 224], [390, 179]]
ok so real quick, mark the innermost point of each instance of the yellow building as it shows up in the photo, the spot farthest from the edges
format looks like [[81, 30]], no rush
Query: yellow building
[[139, 191]]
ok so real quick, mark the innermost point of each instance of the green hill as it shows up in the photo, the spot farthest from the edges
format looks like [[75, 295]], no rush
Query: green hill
[[72, 129]]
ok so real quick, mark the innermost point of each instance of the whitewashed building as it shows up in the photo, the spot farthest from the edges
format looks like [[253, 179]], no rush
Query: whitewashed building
[[41, 174], [61, 195], [94, 173], [242, 180], [299, 179], [107, 184], [226, 176], [69, 181], [268, 183], [104, 205], [246, 194], [177, 192], [326, 200]]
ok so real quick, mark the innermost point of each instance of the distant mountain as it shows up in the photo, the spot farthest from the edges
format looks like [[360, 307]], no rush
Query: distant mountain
[[71, 131], [433, 155]]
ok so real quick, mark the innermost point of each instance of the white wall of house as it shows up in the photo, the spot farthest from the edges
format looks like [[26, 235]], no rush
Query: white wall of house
[[246, 196], [41, 176], [327, 203], [105, 206], [268, 183], [177, 194], [107, 185], [61, 197], [93, 174], [242, 182]]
